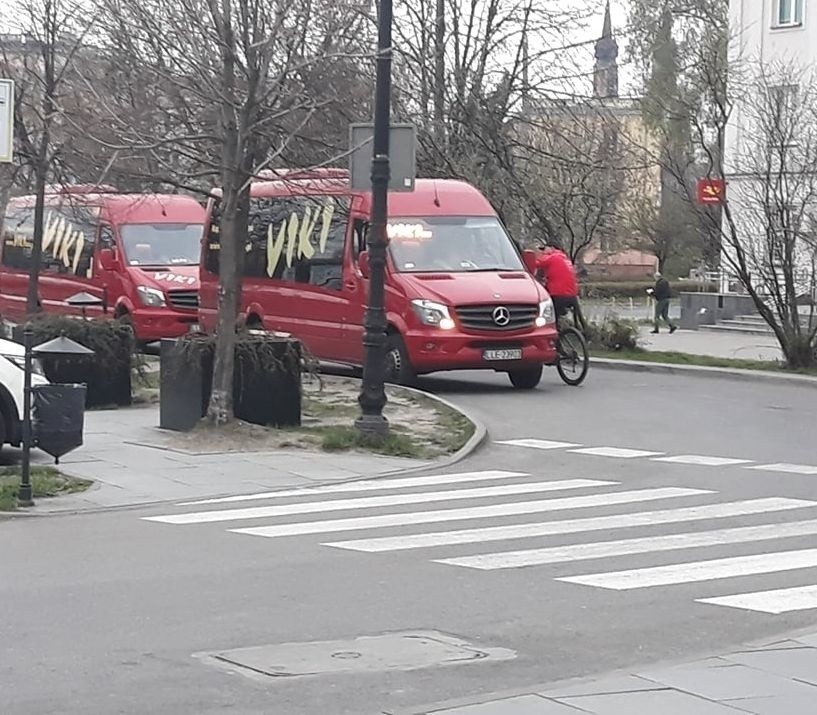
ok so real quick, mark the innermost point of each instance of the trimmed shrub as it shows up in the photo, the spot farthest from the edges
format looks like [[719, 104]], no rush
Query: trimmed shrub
[[638, 289], [106, 373], [613, 334]]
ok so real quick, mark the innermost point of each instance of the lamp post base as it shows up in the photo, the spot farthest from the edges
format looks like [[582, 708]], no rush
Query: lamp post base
[[25, 496], [372, 425]]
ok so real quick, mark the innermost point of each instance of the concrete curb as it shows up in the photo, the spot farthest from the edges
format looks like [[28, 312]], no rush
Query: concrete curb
[[473, 443], [701, 371]]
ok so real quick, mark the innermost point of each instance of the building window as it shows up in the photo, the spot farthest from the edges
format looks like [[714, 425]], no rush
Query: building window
[[788, 13]]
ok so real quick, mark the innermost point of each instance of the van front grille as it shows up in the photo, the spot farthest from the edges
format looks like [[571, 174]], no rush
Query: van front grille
[[184, 299], [497, 316]]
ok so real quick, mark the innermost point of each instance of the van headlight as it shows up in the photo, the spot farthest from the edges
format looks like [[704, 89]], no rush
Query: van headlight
[[546, 314], [431, 313], [151, 297]]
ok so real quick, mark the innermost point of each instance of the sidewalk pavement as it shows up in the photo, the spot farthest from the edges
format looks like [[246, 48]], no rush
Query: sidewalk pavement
[[130, 461], [777, 677], [693, 342], [720, 345]]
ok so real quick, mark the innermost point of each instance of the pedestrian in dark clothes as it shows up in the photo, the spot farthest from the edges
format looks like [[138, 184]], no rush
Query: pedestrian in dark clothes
[[662, 294]]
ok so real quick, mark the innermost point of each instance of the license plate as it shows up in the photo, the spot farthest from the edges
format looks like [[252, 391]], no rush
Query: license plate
[[507, 354]]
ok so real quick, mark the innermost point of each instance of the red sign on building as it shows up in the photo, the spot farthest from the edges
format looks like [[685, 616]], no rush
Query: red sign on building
[[711, 191]]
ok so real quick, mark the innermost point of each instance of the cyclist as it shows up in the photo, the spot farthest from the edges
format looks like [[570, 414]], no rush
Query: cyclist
[[559, 276]]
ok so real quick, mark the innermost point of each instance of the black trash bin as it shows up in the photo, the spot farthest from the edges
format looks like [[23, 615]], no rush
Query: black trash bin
[[58, 418]]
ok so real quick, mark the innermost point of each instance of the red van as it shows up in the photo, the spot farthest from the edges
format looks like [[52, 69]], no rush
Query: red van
[[138, 253], [458, 293]]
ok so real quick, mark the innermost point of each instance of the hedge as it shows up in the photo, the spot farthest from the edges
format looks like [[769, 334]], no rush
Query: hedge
[[638, 289]]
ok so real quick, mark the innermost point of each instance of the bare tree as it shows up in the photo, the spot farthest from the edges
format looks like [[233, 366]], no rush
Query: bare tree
[[577, 172], [40, 55], [766, 117], [221, 90]]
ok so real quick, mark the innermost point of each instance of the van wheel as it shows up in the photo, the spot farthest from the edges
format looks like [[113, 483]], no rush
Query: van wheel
[[3, 431], [527, 378], [398, 365]]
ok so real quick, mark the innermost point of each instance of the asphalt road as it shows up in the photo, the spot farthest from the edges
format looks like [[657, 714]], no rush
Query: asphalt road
[[110, 612]]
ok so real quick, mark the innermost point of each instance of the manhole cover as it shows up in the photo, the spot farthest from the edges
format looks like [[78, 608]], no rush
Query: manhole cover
[[392, 651]]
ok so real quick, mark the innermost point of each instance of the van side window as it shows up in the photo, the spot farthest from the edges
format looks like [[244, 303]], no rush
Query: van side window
[[69, 233], [296, 238], [18, 233], [106, 239], [360, 234]]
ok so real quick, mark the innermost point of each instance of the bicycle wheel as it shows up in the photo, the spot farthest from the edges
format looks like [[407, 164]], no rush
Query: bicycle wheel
[[574, 360]]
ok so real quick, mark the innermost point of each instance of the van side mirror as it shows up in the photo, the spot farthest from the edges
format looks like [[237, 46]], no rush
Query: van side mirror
[[529, 258], [363, 263], [108, 259]]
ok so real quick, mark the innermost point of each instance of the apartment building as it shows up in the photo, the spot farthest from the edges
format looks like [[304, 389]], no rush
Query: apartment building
[[770, 157]]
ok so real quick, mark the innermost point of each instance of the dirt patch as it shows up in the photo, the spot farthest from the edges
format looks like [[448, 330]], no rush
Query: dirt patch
[[421, 427]]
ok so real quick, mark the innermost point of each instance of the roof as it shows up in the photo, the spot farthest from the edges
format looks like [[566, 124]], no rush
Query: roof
[[442, 197], [132, 207]]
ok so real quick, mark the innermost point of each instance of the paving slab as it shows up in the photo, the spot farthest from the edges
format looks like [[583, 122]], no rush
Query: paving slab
[[665, 702], [778, 705], [522, 705], [125, 454], [718, 679], [613, 684], [798, 663]]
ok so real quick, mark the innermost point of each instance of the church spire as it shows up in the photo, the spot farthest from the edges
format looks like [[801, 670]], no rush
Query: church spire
[[605, 79], [607, 31]]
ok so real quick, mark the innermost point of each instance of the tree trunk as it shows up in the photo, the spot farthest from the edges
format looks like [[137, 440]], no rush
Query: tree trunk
[[220, 409], [33, 295], [439, 73]]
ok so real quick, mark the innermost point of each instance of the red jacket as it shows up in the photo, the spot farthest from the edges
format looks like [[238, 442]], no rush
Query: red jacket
[[559, 274]]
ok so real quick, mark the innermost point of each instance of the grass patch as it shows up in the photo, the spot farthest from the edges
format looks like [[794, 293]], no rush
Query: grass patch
[[395, 444], [45, 482], [674, 358]]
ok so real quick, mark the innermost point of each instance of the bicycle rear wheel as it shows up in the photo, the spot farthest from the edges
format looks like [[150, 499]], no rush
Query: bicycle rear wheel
[[574, 360]]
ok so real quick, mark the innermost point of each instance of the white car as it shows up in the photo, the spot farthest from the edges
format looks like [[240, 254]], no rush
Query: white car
[[12, 356]]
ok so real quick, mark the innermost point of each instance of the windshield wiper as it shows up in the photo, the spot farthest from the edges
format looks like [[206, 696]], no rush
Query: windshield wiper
[[494, 269]]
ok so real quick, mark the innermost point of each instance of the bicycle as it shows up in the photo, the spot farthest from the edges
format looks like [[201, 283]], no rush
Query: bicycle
[[573, 357]]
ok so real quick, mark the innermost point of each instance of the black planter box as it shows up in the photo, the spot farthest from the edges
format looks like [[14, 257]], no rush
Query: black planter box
[[107, 377], [260, 396]]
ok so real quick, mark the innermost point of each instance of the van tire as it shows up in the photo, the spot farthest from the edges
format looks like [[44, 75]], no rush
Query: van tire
[[398, 365], [526, 378], [4, 431]]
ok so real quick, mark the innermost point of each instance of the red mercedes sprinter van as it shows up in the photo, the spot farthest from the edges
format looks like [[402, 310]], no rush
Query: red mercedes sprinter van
[[458, 294], [138, 253]]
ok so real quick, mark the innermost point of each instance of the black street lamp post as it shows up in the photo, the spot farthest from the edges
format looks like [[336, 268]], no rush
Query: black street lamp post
[[25, 494], [372, 397]]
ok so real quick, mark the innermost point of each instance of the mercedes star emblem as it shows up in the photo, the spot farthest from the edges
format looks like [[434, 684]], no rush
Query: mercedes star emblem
[[501, 316]]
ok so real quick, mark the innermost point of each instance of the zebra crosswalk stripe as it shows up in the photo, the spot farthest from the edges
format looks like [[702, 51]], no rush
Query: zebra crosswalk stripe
[[367, 485], [572, 526], [781, 600], [201, 517], [477, 512], [623, 547], [694, 571]]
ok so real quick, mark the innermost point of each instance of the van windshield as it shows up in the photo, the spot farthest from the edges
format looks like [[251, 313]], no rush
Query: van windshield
[[161, 244], [463, 244]]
